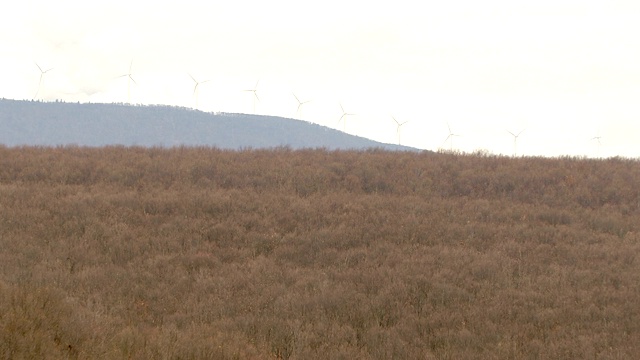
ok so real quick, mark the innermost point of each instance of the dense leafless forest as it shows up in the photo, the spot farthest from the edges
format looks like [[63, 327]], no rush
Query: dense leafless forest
[[193, 253]]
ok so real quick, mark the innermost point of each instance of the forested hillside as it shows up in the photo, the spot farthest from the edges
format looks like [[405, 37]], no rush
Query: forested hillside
[[194, 253], [59, 123]]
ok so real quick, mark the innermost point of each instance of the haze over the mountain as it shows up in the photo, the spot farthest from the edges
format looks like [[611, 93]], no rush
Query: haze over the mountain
[[57, 123]]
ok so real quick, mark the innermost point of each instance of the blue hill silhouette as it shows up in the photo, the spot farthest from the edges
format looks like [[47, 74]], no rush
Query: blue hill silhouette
[[24, 122]]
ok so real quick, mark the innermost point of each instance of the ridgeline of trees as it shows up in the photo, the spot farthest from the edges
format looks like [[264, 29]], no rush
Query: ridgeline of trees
[[200, 253], [58, 123]]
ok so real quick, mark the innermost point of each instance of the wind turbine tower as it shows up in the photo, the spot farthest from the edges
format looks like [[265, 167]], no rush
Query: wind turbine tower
[[300, 103], [195, 88], [344, 115], [255, 95], [597, 138], [129, 80], [450, 136], [515, 141], [398, 129], [42, 72]]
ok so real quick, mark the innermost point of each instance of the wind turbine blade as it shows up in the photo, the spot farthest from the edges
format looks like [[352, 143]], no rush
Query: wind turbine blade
[[445, 141], [39, 85]]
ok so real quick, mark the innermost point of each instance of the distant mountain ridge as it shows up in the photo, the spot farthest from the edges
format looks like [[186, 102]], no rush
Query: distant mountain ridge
[[24, 122]]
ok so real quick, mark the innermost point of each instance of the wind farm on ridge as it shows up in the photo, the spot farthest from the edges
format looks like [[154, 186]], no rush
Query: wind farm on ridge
[[255, 102]]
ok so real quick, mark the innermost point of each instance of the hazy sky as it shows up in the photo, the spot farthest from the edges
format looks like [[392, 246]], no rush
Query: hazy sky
[[563, 71]]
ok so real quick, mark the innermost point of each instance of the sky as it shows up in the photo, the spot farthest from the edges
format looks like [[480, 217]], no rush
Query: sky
[[563, 74]]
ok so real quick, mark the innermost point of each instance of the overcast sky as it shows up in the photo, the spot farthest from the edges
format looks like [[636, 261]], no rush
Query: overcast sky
[[563, 71]]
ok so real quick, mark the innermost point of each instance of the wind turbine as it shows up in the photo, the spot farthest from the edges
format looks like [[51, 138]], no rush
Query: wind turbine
[[255, 95], [597, 138], [42, 72], [195, 88], [515, 140], [344, 114], [398, 129], [450, 136], [129, 80], [300, 103]]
